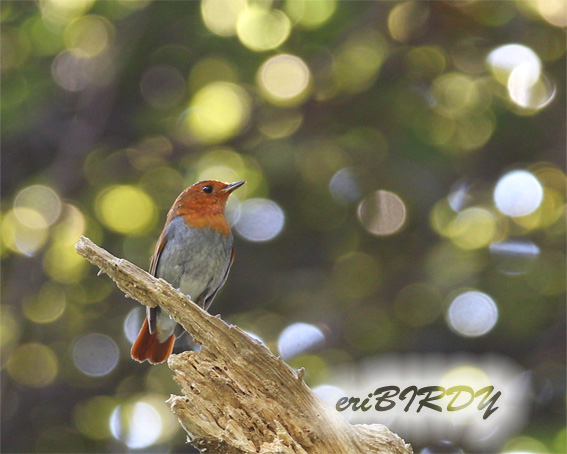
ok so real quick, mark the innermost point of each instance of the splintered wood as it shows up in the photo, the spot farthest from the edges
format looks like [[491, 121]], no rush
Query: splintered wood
[[237, 396]]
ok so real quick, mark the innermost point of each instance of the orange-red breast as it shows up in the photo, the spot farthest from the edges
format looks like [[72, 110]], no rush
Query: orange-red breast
[[194, 254]]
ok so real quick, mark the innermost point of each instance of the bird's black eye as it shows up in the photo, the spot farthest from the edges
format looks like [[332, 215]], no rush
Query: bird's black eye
[[207, 189]]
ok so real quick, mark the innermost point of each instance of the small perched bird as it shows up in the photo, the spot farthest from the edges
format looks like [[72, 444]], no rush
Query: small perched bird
[[194, 254]]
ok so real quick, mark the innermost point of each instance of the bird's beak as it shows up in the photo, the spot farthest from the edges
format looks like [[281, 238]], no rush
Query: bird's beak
[[232, 186]]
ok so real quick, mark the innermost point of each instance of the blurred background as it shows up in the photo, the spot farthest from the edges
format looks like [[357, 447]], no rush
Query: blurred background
[[405, 193]]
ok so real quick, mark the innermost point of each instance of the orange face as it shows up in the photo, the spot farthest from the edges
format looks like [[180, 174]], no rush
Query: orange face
[[208, 197]]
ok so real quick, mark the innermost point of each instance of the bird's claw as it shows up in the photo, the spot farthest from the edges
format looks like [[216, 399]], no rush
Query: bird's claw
[[186, 294]]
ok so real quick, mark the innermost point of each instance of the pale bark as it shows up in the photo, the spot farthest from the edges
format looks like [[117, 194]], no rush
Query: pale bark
[[237, 396]]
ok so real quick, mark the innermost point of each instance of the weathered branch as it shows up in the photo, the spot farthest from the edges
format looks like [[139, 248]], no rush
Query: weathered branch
[[239, 397]]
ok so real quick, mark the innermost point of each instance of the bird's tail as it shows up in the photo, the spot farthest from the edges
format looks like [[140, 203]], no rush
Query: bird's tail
[[147, 346]]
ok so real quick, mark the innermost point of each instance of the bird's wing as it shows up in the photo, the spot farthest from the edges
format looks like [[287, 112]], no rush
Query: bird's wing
[[209, 299], [151, 312], [157, 252]]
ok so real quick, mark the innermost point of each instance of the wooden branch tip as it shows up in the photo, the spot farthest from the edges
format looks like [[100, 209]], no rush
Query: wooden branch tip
[[237, 397]]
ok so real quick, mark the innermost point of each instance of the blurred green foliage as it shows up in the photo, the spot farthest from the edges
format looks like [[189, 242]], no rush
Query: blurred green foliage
[[400, 157]]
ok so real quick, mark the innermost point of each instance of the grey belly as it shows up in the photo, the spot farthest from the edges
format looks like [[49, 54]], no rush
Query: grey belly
[[194, 260]]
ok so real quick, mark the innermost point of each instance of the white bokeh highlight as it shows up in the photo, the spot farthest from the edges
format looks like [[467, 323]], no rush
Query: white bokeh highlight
[[505, 59], [37, 206], [345, 185], [526, 94], [331, 394], [299, 338], [95, 354], [138, 427], [73, 72], [514, 256], [133, 323], [519, 68], [382, 213], [472, 314], [260, 220], [518, 193]]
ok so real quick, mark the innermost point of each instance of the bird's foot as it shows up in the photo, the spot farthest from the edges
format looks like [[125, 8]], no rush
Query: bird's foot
[[186, 294]]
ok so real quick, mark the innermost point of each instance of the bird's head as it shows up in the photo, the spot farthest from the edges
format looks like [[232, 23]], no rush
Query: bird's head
[[207, 197]]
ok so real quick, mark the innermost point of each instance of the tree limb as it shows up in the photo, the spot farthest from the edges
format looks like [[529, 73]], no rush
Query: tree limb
[[238, 397]]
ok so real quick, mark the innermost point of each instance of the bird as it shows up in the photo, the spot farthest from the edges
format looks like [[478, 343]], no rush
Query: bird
[[194, 253]]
